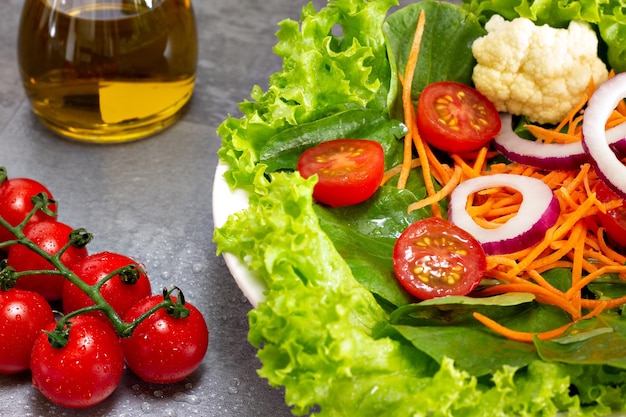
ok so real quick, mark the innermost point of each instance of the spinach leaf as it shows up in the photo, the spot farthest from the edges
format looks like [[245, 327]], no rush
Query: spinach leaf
[[597, 341], [608, 286], [365, 234], [445, 52], [446, 328], [474, 349], [283, 149]]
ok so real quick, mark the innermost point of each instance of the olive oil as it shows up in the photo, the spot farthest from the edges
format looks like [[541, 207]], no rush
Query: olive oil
[[108, 70]]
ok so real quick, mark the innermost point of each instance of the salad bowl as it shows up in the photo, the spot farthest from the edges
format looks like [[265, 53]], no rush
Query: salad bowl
[[326, 330]]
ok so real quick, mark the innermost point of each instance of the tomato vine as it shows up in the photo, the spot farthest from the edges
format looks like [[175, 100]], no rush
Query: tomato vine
[[186, 325], [79, 238]]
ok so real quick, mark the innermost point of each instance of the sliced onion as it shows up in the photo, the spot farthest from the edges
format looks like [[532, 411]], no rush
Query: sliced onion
[[538, 212], [601, 104], [551, 156]]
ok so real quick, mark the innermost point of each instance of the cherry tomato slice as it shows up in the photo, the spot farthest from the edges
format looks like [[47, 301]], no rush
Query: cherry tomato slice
[[614, 220], [435, 258], [349, 170], [456, 118]]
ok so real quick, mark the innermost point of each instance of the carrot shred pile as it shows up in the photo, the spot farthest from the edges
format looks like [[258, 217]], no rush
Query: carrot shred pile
[[577, 240]]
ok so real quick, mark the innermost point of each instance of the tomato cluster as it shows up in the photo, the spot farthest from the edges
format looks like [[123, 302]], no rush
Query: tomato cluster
[[110, 315]]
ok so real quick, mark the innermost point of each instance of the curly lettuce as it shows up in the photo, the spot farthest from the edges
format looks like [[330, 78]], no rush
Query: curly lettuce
[[333, 60], [607, 16], [316, 330]]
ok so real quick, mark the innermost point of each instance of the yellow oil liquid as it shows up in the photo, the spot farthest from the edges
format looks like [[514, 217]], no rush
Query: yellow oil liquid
[[108, 70]]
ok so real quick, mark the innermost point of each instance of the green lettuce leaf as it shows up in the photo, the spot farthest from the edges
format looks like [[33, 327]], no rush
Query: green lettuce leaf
[[445, 51], [282, 150], [324, 72], [607, 16], [315, 330]]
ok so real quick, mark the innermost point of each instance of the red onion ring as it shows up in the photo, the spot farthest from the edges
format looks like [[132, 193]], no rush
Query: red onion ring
[[551, 156], [538, 212], [601, 104]]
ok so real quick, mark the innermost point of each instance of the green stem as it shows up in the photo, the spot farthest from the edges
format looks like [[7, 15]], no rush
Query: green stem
[[78, 238]]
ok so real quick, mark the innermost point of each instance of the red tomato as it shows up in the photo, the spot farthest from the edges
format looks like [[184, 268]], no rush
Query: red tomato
[[164, 349], [614, 220], [349, 170], [15, 203], [23, 315], [51, 236], [434, 258], [456, 118], [121, 295], [85, 371]]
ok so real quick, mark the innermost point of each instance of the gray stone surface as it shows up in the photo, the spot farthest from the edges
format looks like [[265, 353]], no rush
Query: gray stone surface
[[151, 200]]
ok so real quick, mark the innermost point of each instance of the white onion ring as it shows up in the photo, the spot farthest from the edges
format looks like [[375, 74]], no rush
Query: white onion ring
[[551, 156], [538, 212], [601, 104]]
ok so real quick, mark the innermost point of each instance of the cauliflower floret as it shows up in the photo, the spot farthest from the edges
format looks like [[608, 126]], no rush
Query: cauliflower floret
[[536, 71]]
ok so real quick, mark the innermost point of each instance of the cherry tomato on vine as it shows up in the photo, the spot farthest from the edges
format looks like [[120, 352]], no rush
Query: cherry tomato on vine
[[51, 236], [163, 348], [23, 316], [121, 291], [614, 220], [85, 371], [434, 258], [15, 203], [349, 170], [455, 117]]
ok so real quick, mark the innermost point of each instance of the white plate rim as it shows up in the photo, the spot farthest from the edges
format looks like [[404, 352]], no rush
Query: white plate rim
[[228, 201]]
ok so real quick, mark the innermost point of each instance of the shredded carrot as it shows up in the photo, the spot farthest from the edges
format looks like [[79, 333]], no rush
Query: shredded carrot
[[480, 160], [540, 280], [441, 194], [407, 100], [615, 302], [530, 337], [390, 173], [545, 296], [581, 283], [576, 241], [608, 250], [550, 136], [577, 274], [405, 168]]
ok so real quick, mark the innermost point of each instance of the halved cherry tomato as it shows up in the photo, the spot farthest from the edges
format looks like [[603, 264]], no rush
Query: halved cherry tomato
[[434, 258], [349, 170], [456, 118], [614, 220]]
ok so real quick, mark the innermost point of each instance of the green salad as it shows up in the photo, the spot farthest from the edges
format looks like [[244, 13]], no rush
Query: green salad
[[336, 330]]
